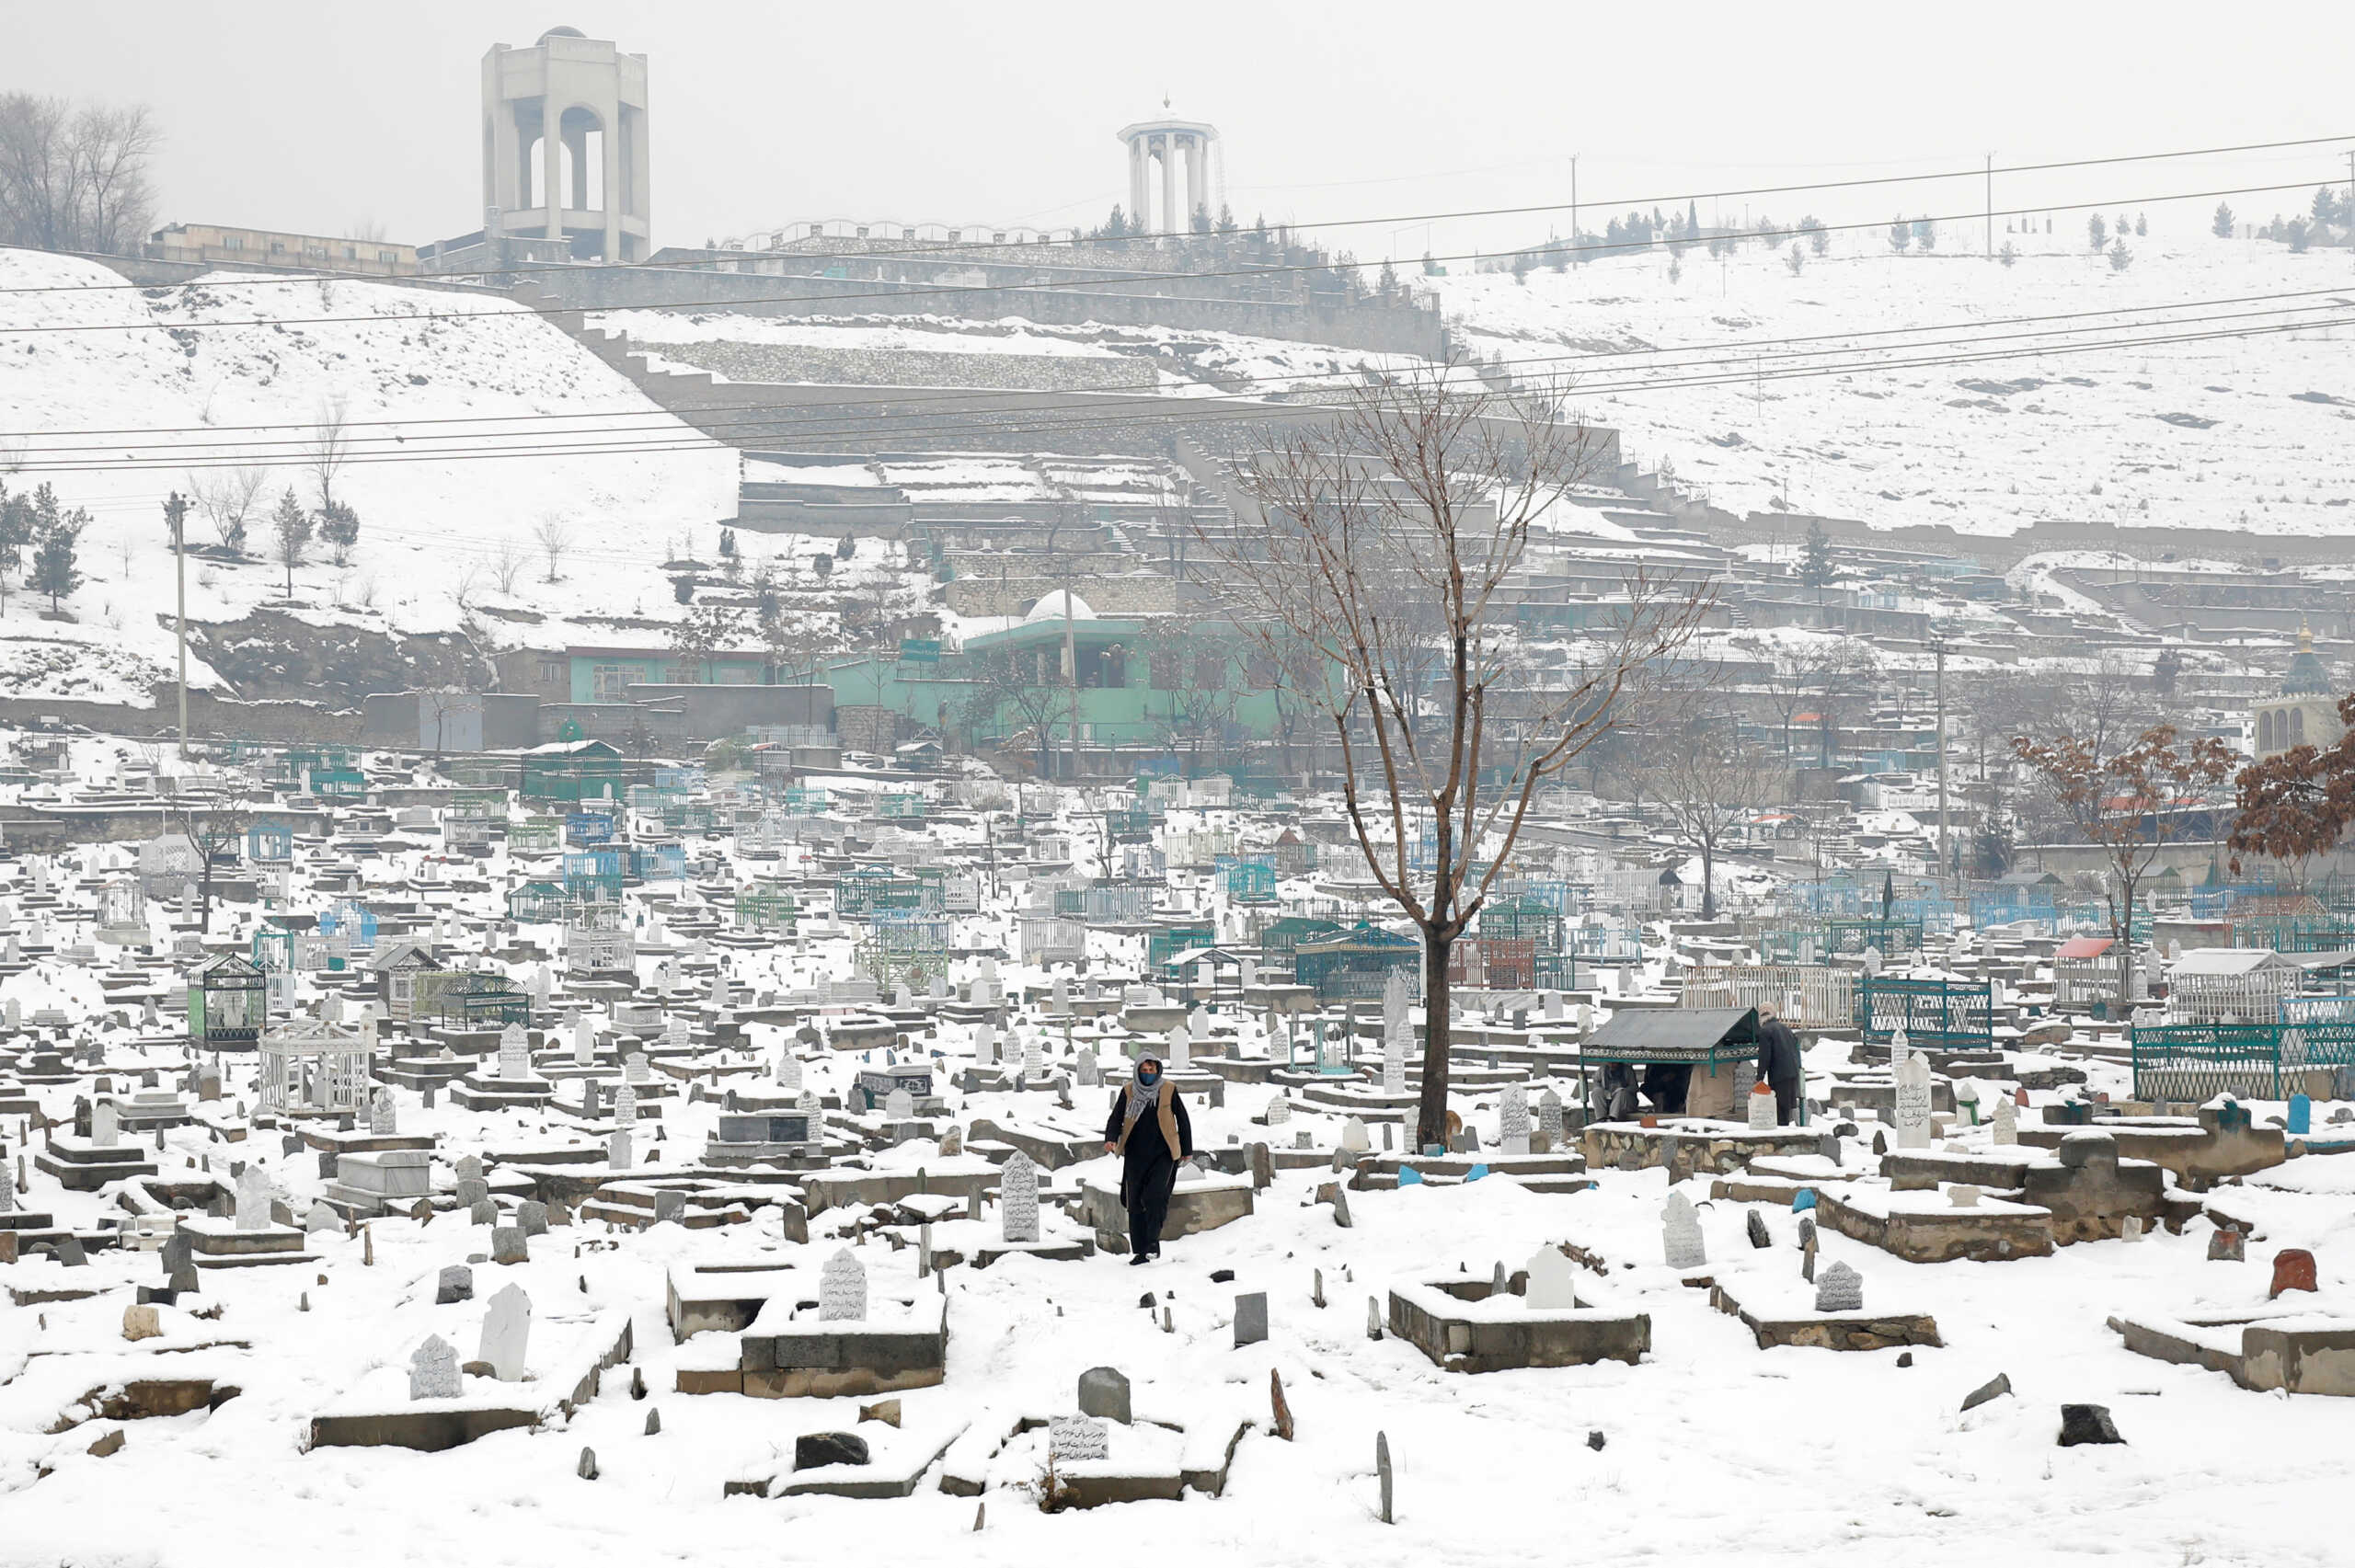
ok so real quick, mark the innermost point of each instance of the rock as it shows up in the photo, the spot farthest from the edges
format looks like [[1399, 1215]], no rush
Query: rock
[[1594, 1441], [2226, 1246], [587, 1469], [1341, 1207], [2293, 1269], [507, 1245], [1995, 1387], [146, 1322], [1222, 1275], [1905, 1359], [2086, 1423], [1758, 1236], [812, 1450], [885, 1411], [1279, 1410], [456, 1284], [654, 1422], [1104, 1393], [108, 1446], [1382, 1469]]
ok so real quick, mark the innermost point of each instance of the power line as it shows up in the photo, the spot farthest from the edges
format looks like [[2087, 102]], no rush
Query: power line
[[1164, 415], [1611, 204], [769, 414], [965, 290]]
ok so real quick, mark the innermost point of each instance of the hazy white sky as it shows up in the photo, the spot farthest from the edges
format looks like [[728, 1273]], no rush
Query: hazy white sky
[[300, 115]]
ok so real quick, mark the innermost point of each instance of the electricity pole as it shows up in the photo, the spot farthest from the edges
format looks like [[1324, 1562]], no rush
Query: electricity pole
[[1991, 203], [1946, 829], [176, 515]]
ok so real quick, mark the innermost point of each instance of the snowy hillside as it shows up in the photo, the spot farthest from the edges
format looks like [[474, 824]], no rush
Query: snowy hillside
[[432, 530], [2236, 432]]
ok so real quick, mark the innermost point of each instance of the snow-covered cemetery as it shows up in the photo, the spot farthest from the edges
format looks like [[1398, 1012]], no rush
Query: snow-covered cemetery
[[1664, 883]]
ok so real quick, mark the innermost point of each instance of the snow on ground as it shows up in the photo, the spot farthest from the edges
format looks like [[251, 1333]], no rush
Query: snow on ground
[[2249, 432], [433, 530], [1195, 363]]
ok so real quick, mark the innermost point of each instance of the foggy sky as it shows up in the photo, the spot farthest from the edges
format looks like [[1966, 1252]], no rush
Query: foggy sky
[[312, 117]]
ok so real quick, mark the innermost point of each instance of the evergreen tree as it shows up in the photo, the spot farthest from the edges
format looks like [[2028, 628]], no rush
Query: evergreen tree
[[1201, 219], [2141, 225], [290, 530], [1691, 220], [1116, 226], [1816, 568], [15, 532], [2121, 259], [2300, 235], [2010, 255], [54, 571], [1900, 236], [1818, 238], [2223, 227], [340, 526], [2327, 205], [1520, 267], [1926, 232], [1389, 279], [2097, 231], [1227, 224]]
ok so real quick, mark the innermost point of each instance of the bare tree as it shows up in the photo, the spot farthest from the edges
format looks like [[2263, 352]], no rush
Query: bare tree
[[330, 449], [505, 566], [228, 498], [75, 179], [368, 230], [1387, 541], [555, 541], [214, 832], [2130, 806], [1010, 679], [1704, 785]]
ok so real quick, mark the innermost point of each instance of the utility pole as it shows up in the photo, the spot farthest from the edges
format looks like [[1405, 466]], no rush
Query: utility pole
[[1990, 203], [1945, 829], [1576, 249], [175, 514]]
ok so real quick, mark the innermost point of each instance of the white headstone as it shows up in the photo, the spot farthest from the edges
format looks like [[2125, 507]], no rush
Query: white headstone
[[626, 1107], [1549, 1120], [1553, 1282], [506, 1334], [899, 1105], [1913, 1103], [842, 1290], [253, 1199], [1681, 1233], [2007, 1120], [584, 1042], [1075, 1438], [1762, 1109], [789, 1070], [618, 1153], [384, 1115], [106, 1124], [634, 1069], [1279, 1109], [515, 1052], [1395, 1033], [1353, 1136], [434, 1370], [1840, 1290], [1512, 1119], [1019, 1198], [1031, 1065]]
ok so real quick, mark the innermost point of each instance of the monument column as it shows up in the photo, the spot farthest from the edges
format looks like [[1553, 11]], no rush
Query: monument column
[[1197, 193], [1139, 192], [1169, 224], [552, 174]]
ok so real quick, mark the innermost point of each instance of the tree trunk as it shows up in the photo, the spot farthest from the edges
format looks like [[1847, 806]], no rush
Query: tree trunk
[[1430, 1114]]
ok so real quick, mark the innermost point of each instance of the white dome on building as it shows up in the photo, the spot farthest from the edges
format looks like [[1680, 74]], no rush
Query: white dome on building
[[1051, 608]]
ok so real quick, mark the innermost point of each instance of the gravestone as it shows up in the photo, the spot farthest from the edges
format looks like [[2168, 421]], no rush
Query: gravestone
[[1181, 1048], [2301, 1120], [1353, 1136], [788, 1070], [1553, 1282], [1074, 1439], [514, 1053], [1250, 1319], [1681, 1233], [1279, 1109], [1963, 1194], [1549, 1120], [506, 1334], [1757, 1228], [618, 1152], [899, 1105], [625, 1107], [253, 1199], [1913, 1103], [434, 1370], [635, 1068], [507, 1245], [842, 1290], [384, 1118], [455, 1284], [1841, 1289], [1761, 1104], [1019, 1199], [1090, 1075], [1512, 1119], [584, 1042], [2006, 1121], [106, 1124], [1104, 1393]]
